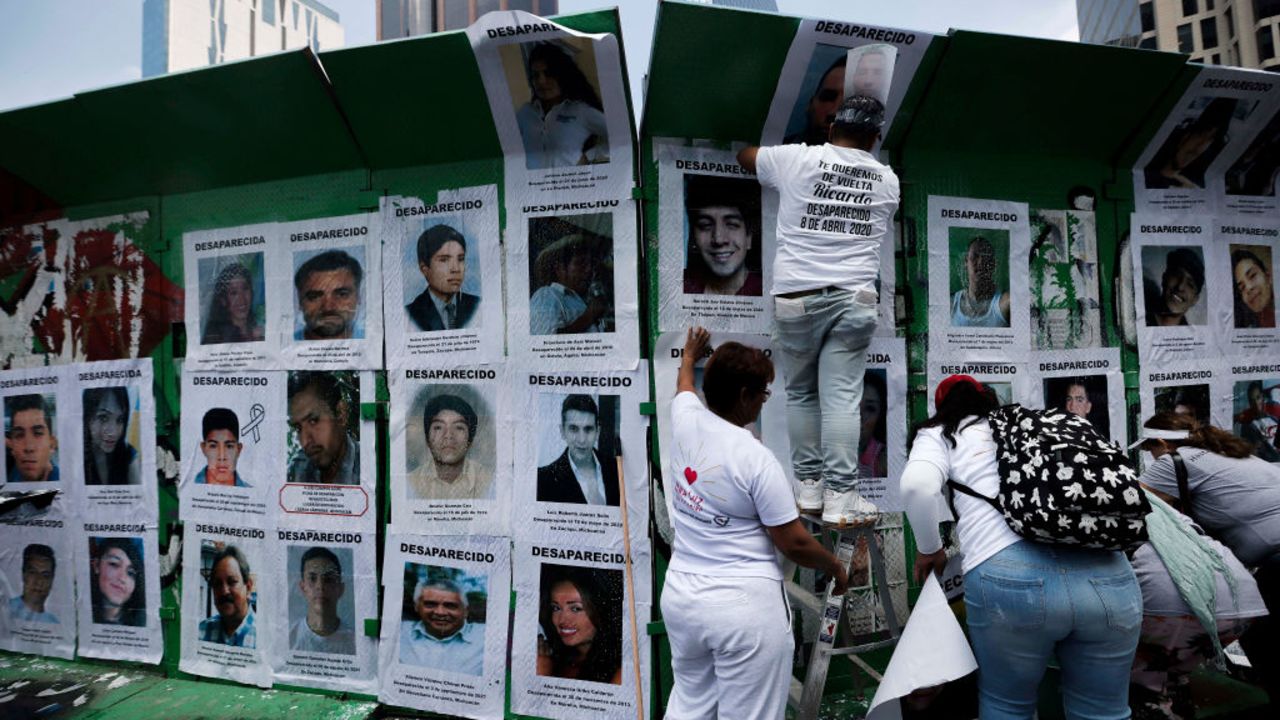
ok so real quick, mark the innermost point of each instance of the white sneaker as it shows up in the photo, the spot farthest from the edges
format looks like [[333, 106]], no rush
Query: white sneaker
[[809, 495], [847, 508]]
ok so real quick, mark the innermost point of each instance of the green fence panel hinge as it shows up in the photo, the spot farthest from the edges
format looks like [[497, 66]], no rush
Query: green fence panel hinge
[[648, 408], [372, 626], [374, 411], [658, 627]]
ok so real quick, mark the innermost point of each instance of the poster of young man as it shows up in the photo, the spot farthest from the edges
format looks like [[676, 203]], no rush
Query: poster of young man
[[978, 295], [1250, 248], [1255, 406], [118, 576], [1250, 180], [572, 648], [714, 257], [443, 293], [1187, 387], [1088, 383], [37, 597], [233, 441], [444, 623], [327, 587], [229, 605], [451, 445], [1066, 307], [330, 459], [114, 444], [572, 286], [816, 76], [334, 317], [584, 441], [1010, 381], [1181, 286], [36, 406], [1182, 168], [559, 105], [236, 297]]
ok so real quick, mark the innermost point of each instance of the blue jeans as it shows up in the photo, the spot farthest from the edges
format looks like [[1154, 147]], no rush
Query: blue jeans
[[822, 342], [1030, 602]]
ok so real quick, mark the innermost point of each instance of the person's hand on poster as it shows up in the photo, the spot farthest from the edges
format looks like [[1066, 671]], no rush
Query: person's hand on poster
[[935, 562], [696, 343]]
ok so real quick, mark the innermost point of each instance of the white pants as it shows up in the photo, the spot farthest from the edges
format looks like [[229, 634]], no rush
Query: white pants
[[731, 646]]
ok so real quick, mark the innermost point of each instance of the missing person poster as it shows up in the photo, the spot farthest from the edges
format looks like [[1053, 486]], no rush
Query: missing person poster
[[114, 443], [1088, 383], [233, 444], [829, 61], [559, 105], [573, 643], [1255, 406], [572, 284], [37, 584], [36, 405], [1066, 307], [445, 619], [1010, 381], [451, 445], [1249, 181], [1186, 160], [1186, 387], [118, 576], [443, 286], [334, 316], [235, 298], [229, 605], [1181, 286], [582, 441], [330, 450], [978, 293], [327, 588], [715, 255], [1249, 249]]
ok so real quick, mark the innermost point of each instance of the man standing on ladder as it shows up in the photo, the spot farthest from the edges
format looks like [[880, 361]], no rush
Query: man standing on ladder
[[835, 202]]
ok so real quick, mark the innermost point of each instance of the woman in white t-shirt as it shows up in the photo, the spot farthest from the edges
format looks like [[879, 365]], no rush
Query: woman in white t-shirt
[[724, 604], [1026, 602]]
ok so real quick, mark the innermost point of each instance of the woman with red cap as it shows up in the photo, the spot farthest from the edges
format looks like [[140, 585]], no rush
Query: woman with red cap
[[1026, 602]]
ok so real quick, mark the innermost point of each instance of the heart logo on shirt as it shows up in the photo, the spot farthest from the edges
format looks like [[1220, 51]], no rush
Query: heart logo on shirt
[[690, 475]]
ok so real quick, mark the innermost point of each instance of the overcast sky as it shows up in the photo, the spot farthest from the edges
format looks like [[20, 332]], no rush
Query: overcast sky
[[50, 49]]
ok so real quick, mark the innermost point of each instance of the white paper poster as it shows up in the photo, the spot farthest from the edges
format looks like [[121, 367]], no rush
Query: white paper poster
[[1009, 380], [1249, 181], [38, 412], [1181, 284], [1066, 307], [978, 295], [37, 585], [715, 255], [572, 645], [334, 317], [118, 574], [451, 444], [572, 284], [815, 77], [228, 602], [327, 588], [559, 105], [1186, 387], [233, 441], [330, 451], [583, 437], [236, 297], [114, 443], [1254, 405], [1248, 249], [444, 623], [1088, 383], [443, 285]]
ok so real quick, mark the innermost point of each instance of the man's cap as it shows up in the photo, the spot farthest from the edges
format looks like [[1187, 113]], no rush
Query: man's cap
[[860, 112], [945, 386], [1159, 434]]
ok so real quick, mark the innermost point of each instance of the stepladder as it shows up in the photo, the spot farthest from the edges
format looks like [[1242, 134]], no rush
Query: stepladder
[[867, 618]]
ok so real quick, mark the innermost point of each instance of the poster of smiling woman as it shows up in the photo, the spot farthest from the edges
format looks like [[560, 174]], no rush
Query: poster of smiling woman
[[118, 576], [235, 295]]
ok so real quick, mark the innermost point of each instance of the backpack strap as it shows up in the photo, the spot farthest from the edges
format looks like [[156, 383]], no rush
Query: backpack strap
[[965, 489], [1184, 494]]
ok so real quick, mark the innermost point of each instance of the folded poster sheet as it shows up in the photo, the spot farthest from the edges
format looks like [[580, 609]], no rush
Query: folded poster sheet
[[978, 295], [577, 430], [113, 444], [1088, 383], [572, 648], [1182, 284], [334, 317], [118, 571], [228, 602], [1248, 249], [327, 588], [443, 286], [444, 623], [37, 585], [451, 443], [236, 293]]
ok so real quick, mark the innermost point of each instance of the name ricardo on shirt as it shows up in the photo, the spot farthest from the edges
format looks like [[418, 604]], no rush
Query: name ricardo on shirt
[[579, 555], [447, 553], [579, 381]]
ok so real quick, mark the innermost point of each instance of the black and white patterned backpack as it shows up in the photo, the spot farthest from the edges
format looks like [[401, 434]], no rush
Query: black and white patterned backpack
[[1062, 483]]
